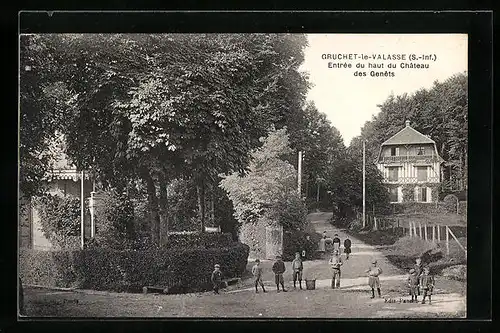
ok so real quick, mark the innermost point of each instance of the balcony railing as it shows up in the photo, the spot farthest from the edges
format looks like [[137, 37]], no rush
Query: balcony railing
[[412, 180], [409, 158]]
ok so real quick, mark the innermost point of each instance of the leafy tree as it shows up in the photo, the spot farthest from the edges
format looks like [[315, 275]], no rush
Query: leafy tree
[[268, 190]]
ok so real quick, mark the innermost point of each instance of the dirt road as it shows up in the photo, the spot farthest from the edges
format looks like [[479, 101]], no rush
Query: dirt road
[[351, 301]]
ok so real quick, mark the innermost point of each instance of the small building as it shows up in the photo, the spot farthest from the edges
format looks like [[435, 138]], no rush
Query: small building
[[63, 180], [411, 166]]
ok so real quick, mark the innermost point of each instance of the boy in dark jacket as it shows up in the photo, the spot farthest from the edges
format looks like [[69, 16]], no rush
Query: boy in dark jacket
[[418, 267], [297, 267], [278, 270], [216, 278], [427, 284], [413, 284]]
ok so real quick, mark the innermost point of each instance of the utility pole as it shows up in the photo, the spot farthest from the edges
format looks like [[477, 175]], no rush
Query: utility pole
[[364, 187], [82, 210], [299, 175]]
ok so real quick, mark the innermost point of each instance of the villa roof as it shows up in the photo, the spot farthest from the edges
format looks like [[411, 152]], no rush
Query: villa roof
[[408, 135]]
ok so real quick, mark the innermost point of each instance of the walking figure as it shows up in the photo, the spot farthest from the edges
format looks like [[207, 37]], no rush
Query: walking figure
[[335, 263], [278, 270], [427, 283], [257, 274], [347, 247], [216, 278], [297, 267], [373, 278]]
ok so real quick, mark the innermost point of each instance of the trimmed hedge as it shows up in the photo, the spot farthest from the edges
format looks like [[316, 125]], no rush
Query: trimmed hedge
[[207, 240], [181, 270]]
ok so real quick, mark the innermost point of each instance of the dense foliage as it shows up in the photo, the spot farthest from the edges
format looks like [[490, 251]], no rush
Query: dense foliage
[[268, 191], [60, 219], [181, 270]]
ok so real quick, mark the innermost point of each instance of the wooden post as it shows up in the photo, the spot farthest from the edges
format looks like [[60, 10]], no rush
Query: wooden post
[[447, 241], [433, 233], [299, 175], [420, 230], [439, 233], [364, 186], [374, 223], [82, 211], [414, 228], [425, 231], [409, 229]]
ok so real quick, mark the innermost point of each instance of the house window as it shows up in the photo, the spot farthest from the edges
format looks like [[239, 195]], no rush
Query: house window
[[393, 174], [395, 151], [421, 173], [420, 150], [421, 194], [393, 194]]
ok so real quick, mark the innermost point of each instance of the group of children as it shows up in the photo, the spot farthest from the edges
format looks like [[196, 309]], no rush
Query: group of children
[[420, 278]]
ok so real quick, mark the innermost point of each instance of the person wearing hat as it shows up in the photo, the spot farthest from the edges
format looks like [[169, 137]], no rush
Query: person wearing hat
[[347, 247], [216, 278], [413, 284], [257, 274], [278, 270], [335, 262], [373, 278], [418, 269]]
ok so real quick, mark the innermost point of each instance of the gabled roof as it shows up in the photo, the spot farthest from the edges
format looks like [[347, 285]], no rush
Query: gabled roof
[[406, 136]]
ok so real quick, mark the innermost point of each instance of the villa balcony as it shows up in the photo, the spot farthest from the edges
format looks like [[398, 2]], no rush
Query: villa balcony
[[411, 180], [408, 158]]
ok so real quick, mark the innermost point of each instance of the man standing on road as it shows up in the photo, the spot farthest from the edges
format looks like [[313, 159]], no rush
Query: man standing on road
[[335, 263], [336, 243], [373, 278]]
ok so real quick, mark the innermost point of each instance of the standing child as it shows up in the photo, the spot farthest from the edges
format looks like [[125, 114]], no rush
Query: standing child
[[335, 263], [278, 270], [413, 284], [297, 267], [373, 278], [418, 269], [347, 247], [427, 284], [216, 278], [257, 274]]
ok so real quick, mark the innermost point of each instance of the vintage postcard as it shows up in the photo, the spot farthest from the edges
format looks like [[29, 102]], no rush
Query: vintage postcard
[[243, 175]]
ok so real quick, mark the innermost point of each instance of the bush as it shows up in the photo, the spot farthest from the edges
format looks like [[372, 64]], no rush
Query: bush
[[178, 269], [60, 218], [206, 239], [114, 219]]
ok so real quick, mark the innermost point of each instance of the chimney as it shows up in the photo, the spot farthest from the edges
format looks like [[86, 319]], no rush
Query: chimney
[[407, 123]]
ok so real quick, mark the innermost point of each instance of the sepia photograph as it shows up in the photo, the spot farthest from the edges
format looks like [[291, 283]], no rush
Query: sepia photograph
[[242, 175]]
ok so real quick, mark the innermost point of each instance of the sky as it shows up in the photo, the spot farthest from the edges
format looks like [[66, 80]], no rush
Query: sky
[[349, 101]]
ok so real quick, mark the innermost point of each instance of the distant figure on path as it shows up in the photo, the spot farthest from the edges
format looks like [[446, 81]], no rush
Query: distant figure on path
[[216, 278], [297, 267], [278, 270], [257, 274], [335, 262], [373, 278], [336, 243], [347, 247], [322, 244]]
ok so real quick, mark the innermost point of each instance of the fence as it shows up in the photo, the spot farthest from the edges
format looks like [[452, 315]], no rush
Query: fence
[[422, 231]]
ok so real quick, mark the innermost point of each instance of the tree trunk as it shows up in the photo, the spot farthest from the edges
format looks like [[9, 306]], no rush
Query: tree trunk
[[200, 191], [164, 213], [153, 207]]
